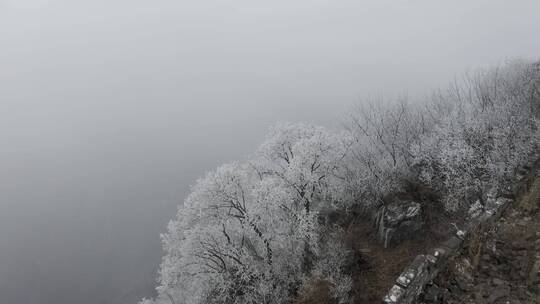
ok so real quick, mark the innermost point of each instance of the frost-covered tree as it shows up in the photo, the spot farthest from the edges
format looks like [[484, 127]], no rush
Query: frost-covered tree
[[489, 129], [219, 249], [254, 232], [249, 233], [380, 157], [472, 136], [307, 159]]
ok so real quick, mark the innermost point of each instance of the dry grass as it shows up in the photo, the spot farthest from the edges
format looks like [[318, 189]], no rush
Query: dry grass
[[378, 267], [530, 201], [315, 292]]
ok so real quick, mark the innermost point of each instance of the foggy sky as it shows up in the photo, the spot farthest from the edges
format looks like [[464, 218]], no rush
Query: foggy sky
[[110, 110]]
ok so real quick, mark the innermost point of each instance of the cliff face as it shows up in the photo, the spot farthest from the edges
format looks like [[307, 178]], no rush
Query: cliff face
[[501, 263], [494, 259]]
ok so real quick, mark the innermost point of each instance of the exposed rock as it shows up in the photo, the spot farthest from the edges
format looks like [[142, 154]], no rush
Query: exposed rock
[[433, 294], [398, 221], [478, 298], [394, 295], [476, 209], [497, 293], [492, 259], [412, 280], [498, 282], [508, 269]]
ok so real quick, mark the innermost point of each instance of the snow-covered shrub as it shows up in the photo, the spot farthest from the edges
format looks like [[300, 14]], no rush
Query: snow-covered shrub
[[329, 282], [332, 266]]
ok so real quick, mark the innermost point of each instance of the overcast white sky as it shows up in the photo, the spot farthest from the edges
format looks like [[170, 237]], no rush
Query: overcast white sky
[[109, 110]]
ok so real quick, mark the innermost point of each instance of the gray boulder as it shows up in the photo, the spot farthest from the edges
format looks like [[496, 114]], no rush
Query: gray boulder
[[398, 221]]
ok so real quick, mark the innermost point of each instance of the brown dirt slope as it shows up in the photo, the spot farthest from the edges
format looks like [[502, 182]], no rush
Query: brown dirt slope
[[501, 264]]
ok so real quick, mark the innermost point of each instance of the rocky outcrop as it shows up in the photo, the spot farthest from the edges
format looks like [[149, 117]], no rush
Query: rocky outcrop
[[424, 268], [469, 256], [501, 264], [398, 221]]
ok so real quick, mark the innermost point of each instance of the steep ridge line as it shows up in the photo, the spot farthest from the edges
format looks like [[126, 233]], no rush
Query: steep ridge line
[[411, 285]]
